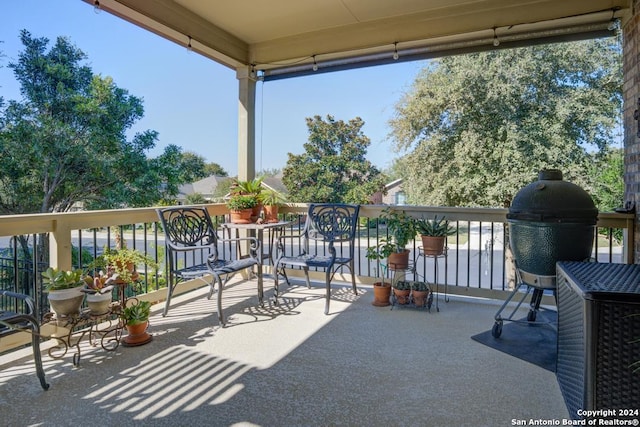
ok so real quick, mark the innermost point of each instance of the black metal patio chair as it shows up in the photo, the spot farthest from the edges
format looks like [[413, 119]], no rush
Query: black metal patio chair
[[189, 232], [16, 320], [330, 228]]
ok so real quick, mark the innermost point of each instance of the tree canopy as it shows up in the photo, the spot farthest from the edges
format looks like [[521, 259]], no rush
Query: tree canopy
[[333, 167], [475, 128], [65, 142]]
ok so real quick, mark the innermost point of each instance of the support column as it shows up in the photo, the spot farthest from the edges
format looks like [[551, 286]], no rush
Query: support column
[[631, 115], [246, 124]]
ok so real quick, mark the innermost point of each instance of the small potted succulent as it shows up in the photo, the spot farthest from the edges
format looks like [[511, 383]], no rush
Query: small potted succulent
[[434, 233], [136, 319], [402, 291], [420, 293], [99, 292], [64, 289]]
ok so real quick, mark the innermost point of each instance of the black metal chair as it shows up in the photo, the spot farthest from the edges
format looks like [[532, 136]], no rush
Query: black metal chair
[[331, 228], [14, 321], [189, 230]]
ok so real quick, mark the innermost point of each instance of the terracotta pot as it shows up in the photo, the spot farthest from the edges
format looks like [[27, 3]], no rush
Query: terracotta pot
[[398, 260], [130, 267], [402, 295], [270, 213], [420, 298], [433, 245], [138, 334], [241, 217], [255, 212], [381, 294]]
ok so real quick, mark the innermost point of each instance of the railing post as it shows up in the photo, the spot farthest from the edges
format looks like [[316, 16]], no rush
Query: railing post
[[60, 246]]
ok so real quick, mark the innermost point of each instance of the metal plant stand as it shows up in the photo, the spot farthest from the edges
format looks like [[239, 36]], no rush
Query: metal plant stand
[[103, 329], [436, 280]]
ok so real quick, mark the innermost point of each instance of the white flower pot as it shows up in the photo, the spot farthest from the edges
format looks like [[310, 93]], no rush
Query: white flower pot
[[66, 302], [99, 303]]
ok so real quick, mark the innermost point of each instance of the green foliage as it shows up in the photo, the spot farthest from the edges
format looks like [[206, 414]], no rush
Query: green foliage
[[402, 285], [214, 169], [121, 261], [222, 189], [608, 183], [66, 143], [137, 313], [253, 187], [476, 128], [271, 198], [195, 199], [401, 227], [55, 280], [436, 227], [240, 202], [382, 250], [333, 168]]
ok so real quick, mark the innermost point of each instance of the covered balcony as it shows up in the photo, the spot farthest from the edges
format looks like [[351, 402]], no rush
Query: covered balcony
[[289, 364]]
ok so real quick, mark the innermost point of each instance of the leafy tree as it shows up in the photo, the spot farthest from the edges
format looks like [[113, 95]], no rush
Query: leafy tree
[[608, 184], [65, 142], [192, 167], [214, 169], [476, 128], [333, 167]]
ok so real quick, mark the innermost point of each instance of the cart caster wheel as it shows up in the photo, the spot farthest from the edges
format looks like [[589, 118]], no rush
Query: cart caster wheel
[[531, 317], [496, 331]]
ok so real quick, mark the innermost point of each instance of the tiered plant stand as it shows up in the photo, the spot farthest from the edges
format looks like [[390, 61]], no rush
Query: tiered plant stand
[[103, 329]]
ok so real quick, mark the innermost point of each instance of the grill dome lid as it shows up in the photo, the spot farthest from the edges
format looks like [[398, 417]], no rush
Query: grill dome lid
[[550, 199]]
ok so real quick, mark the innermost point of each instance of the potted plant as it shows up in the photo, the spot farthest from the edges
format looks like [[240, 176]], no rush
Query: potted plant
[[241, 206], [136, 319], [250, 188], [64, 289], [122, 264], [271, 201], [402, 291], [381, 289], [98, 290], [401, 229], [434, 233], [420, 293]]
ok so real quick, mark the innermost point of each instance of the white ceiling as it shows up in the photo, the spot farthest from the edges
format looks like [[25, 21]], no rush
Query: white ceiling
[[285, 37]]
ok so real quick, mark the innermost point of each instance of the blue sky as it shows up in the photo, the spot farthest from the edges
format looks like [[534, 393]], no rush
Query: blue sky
[[192, 101]]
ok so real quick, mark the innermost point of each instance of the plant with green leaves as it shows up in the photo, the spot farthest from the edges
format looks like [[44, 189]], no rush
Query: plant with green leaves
[[461, 107], [436, 227], [56, 280], [253, 187], [136, 313], [241, 202], [420, 286], [122, 263], [271, 198], [381, 251], [402, 285], [401, 227]]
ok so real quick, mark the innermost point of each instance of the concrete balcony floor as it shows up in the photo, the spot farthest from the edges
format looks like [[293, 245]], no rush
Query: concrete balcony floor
[[289, 365]]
